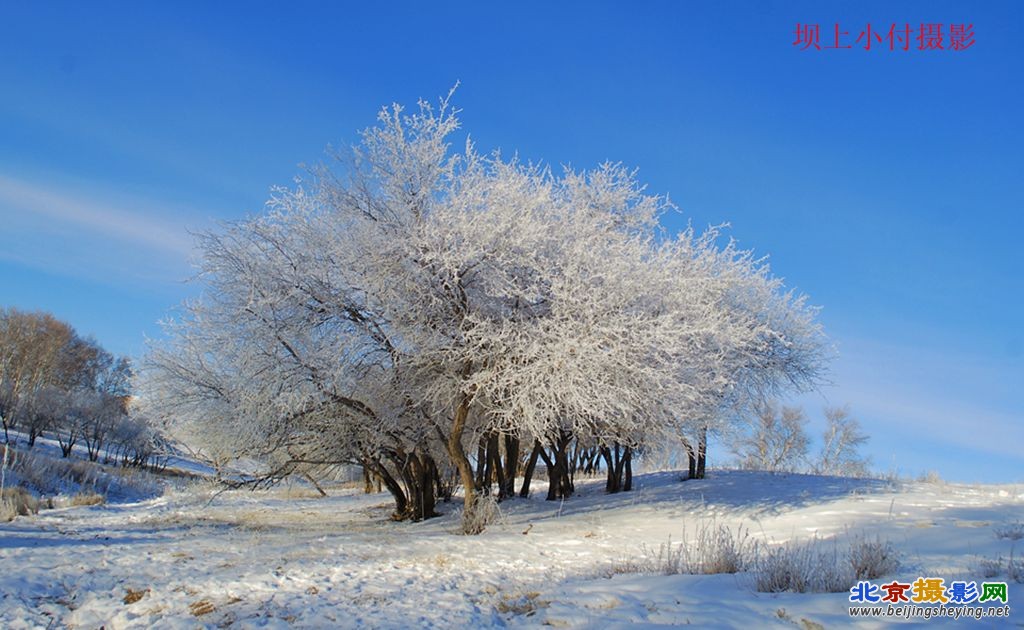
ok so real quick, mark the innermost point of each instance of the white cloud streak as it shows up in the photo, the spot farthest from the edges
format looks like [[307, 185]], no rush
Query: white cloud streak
[[964, 400], [137, 226]]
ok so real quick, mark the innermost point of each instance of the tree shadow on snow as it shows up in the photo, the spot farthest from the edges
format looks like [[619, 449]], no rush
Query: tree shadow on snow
[[720, 491]]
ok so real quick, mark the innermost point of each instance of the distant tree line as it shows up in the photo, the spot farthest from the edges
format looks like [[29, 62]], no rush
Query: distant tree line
[[56, 383]]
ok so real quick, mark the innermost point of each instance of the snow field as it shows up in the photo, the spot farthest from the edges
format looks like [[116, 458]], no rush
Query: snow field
[[274, 559]]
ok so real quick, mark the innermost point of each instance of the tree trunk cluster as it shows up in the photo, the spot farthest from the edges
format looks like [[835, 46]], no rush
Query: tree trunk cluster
[[412, 478], [620, 467], [697, 456], [416, 482]]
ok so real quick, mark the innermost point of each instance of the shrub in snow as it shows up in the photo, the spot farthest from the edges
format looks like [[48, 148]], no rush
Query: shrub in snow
[[1010, 531], [990, 567], [872, 559], [86, 498], [484, 513], [804, 567], [1012, 568], [711, 550], [814, 567], [714, 549]]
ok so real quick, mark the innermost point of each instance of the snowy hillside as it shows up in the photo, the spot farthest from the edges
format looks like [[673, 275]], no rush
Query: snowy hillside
[[285, 558]]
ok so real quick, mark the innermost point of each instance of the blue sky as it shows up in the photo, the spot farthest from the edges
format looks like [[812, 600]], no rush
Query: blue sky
[[886, 185]]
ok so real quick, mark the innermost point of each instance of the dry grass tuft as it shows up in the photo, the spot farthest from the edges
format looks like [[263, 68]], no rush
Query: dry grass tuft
[[131, 596], [86, 498], [17, 502], [525, 604]]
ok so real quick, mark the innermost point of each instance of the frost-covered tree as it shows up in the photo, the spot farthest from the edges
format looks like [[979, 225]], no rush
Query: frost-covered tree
[[41, 411], [415, 304], [775, 441], [841, 442], [134, 441]]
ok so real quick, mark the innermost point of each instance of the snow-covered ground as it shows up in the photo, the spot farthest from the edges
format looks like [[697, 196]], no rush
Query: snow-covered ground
[[285, 558]]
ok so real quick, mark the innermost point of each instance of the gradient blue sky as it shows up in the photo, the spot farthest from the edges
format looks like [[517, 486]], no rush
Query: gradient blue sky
[[886, 185]]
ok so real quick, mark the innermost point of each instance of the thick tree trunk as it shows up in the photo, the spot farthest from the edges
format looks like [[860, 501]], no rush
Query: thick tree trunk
[[611, 484], [421, 487], [511, 466], [395, 488], [495, 472], [560, 485], [691, 458], [497, 465], [627, 481], [620, 468], [458, 455], [418, 484], [531, 464], [562, 457], [552, 474]]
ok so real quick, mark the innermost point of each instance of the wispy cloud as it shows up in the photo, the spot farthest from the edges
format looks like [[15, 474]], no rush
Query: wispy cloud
[[84, 232], [138, 226], [935, 406]]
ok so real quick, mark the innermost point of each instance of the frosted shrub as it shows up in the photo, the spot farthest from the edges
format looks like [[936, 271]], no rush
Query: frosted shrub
[[803, 568], [715, 549], [872, 559], [989, 567], [783, 569], [813, 567], [1012, 568], [1010, 531], [485, 512]]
